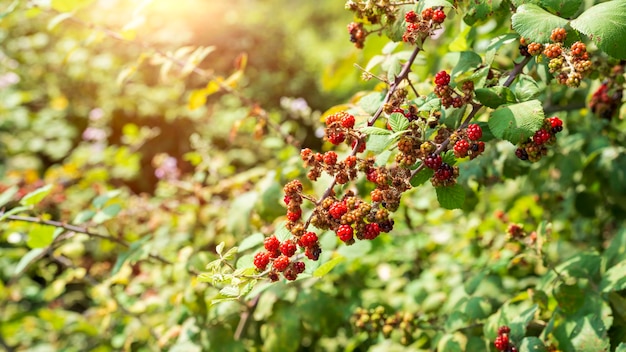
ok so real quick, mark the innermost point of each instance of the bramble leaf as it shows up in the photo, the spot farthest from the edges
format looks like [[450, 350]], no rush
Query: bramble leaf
[[451, 197], [609, 32], [518, 122], [535, 24], [495, 96]]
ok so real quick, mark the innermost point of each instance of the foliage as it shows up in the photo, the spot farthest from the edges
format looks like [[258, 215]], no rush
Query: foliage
[[147, 152]]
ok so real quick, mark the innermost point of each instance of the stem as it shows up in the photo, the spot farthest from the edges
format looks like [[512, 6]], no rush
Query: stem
[[517, 69], [86, 231], [245, 317]]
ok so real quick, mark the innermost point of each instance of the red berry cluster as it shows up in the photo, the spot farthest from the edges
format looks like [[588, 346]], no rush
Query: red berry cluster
[[279, 253], [344, 170], [569, 64], [536, 146], [421, 26], [351, 217], [607, 99], [448, 95], [468, 143], [502, 342]]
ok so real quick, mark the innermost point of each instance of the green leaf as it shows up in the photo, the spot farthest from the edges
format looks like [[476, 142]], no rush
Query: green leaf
[[525, 88], [102, 199], [375, 131], [562, 8], [230, 291], [83, 216], [8, 10], [621, 347], [504, 39], [535, 24], [371, 102], [13, 211], [134, 252], [481, 11], [424, 4], [467, 60], [328, 266], [451, 197], [398, 122], [382, 158], [26, 259], [220, 248], [378, 143], [230, 254], [532, 344], [36, 196], [614, 279], [569, 297], [58, 19], [281, 232], [518, 122], [40, 236], [605, 24], [107, 213], [421, 177], [495, 96], [251, 241], [8, 195]]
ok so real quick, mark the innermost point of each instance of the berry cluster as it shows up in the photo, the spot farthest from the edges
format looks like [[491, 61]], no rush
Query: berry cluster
[[536, 146], [468, 142], [607, 99], [279, 254], [420, 26], [366, 11], [569, 64], [448, 95], [345, 170], [351, 218], [376, 321], [502, 342]]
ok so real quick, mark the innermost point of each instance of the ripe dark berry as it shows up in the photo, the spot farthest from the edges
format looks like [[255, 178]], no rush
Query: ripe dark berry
[[281, 263], [474, 132], [271, 244], [299, 267], [294, 216], [541, 136], [410, 17], [433, 161], [345, 232], [330, 158], [261, 260], [386, 226], [337, 210], [439, 16], [522, 154], [460, 148], [347, 121], [371, 231], [444, 172], [442, 78], [309, 239], [313, 252], [288, 248]]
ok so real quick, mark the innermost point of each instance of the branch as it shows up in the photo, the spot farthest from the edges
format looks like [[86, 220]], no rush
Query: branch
[[245, 317], [517, 70], [86, 231]]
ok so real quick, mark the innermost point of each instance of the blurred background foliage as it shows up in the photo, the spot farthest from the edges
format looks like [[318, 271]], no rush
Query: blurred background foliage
[[89, 105]]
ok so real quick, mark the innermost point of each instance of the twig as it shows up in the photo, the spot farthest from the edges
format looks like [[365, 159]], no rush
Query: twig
[[86, 231], [245, 317], [517, 69]]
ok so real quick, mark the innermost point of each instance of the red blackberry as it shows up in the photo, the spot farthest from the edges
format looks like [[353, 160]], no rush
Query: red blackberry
[[337, 210], [442, 78], [281, 263], [504, 330], [474, 132], [336, 138], [290, 273], [372, 175], [261, 260], [288, 248], [433, 161], [272, 244], [556, 124], [361, 145], [309, 239], [501, 342], [313, 252], [345, 232], [410, 17], [439, 16], [460, 148], [330, 158], [294, 216], [522, 154], [347, 121], [541, 136]]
